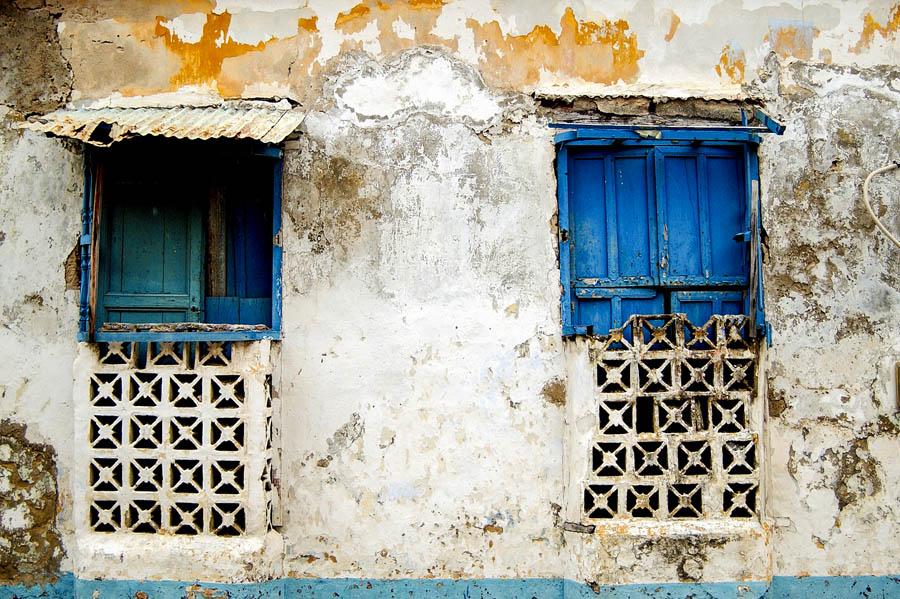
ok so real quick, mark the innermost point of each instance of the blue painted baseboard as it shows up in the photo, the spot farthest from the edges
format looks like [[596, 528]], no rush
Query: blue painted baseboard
[[780, 587]]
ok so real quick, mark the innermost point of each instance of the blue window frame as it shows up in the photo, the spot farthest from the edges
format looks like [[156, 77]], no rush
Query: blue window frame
[[180, 236], [657, 221]]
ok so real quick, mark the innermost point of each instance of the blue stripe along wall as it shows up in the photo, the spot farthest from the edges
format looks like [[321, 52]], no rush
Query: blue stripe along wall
[[787, 587]]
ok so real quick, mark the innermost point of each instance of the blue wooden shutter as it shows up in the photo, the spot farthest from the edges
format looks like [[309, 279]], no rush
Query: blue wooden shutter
[[245, 294], [605, 308], [700, 305], [652, 226], [151, 259], [612, 236], [755, 293], [700, 210]]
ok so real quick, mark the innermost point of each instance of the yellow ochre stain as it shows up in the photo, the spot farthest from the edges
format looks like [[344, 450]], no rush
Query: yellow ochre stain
[[357, 12], [731, 64], [426, 3], [871, 27], [597, 52], [201, 61], [311, 24], [674, 22], [790, 40], [420, 16]]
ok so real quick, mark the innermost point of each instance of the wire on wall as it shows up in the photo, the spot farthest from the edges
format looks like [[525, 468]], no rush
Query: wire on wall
[[878, 222]]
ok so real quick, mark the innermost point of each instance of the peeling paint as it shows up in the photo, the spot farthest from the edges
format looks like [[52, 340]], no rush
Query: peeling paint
[[856, 473], [419, 18], [430, 403], [598, 52], [731, 64], [793, 39], [201, 60], [872, 26]]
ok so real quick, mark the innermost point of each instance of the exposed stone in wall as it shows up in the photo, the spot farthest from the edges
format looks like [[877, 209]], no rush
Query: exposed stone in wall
[[645, 110], [554, 391], [30, 546], [34, 76], [72, 269]]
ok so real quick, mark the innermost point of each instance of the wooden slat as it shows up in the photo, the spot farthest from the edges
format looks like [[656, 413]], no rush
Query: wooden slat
[[216, 233], [95, 243]]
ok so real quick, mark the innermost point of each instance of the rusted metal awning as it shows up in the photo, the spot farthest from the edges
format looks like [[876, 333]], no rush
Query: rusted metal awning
[[104, 126]]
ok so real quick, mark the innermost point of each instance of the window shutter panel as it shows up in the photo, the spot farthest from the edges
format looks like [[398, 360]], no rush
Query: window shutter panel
[[151, 264]]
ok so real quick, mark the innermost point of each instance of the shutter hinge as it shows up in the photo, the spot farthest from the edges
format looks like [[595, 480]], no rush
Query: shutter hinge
[[276, 240]]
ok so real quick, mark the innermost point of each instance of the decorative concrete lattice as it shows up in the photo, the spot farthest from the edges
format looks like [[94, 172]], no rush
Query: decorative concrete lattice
[[269, 475], [675, 438], [181, 440]]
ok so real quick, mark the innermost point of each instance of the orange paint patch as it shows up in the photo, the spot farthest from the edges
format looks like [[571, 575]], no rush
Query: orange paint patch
[[792, 40], [604, 52], [354, 14], [419, 16], [674, 22], [201, 61], [304, 67], [731, 65], [871, 27], [311, 24], [426, 3]]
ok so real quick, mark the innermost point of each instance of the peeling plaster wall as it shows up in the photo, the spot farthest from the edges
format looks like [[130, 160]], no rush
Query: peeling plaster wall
[[40, 186], [419, 362], [664, 48], [426, 392], [40, 183], [834, 304]]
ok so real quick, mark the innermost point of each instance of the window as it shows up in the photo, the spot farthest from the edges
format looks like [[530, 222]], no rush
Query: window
[[655, 222], [659, 254], [181, 241]]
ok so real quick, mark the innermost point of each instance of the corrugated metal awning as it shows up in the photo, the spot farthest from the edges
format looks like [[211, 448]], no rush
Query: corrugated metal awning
[[103, 126]]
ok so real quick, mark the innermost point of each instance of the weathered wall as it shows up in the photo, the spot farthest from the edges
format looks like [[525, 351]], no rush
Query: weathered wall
[[833, 283], [29, 543], [426, 391], [420, 304], [235, 49], [40, 182]]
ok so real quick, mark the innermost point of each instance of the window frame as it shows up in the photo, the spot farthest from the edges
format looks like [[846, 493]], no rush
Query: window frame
[[91, 232], [606, 137]]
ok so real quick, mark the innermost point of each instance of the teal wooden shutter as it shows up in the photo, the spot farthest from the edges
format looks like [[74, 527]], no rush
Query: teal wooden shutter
[[151, 264]]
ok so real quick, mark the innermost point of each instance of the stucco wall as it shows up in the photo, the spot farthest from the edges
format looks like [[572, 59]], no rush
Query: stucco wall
[[426, 392]]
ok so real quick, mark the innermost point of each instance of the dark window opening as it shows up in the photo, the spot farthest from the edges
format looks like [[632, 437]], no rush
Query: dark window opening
[[186, 236]]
